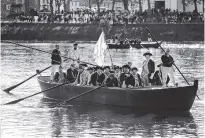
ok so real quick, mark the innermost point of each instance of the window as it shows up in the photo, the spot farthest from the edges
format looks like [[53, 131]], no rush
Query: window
[[8, 7]]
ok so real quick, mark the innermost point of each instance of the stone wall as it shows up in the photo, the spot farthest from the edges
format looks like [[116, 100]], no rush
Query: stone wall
[[85, 32]]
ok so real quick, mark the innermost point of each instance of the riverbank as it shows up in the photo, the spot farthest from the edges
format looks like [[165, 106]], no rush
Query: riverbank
[[44, 32], [93, 42]]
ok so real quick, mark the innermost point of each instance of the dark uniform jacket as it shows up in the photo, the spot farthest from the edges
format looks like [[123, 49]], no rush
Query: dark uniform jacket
[[56, 58], [151, 66], [128, 80], [97, 79], [71, 75], [167, 61], [112, 82]]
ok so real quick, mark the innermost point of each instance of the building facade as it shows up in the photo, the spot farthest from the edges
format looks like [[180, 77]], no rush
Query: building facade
[[74, 4], [172, 4], [5, 8]]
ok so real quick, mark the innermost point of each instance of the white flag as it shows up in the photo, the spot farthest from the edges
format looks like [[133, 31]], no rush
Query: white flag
[[99, 50]]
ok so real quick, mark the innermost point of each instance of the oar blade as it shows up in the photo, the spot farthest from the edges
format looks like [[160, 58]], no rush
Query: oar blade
[[13, 102], [7, 90]]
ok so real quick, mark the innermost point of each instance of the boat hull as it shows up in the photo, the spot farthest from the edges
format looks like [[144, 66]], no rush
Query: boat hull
[[178, 98], [127, 46]]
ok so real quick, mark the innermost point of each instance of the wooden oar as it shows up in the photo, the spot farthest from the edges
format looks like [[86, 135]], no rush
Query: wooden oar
[[14, 86], [7, 90], [16, 101], [165, 52], [77, 96], [48, 52]]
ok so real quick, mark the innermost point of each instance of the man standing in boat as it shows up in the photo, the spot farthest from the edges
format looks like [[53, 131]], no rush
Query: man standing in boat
[[55, 61], [167, 68], [73, 53], [148, 70]]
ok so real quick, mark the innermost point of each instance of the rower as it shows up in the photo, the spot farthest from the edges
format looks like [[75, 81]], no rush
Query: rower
[[55, 61], [112, 80], [81, 73], [98, 77], [72, 73], [106, 72], [126, 78], [138, 81]]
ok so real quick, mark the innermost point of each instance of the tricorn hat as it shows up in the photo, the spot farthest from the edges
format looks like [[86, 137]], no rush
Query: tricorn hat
[[126, 66], [147, 53], [106, 67], [75, 44], [98, 67], [83, 64], [134, 68], [116, 67]]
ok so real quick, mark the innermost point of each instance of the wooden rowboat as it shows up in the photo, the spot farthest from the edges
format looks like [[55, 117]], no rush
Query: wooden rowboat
[[127, 46], [172, 98]]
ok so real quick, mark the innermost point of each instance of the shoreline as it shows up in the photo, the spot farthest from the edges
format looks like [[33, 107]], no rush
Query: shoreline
[[93, 42]]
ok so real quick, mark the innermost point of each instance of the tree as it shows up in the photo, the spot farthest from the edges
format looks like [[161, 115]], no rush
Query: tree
[[184, 5], [195, 2], [98, 3], [58, 4], [90, 4], [140, 5], [125, 2], [113, 5], [51, 8], [149, 5], [64, 4], [195, 5]]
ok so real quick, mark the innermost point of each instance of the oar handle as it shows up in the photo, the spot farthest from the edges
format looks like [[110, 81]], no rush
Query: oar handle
[[166, 53]]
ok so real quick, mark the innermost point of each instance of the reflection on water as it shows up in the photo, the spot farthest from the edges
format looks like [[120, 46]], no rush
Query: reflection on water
[[35, 117], [100, 121]]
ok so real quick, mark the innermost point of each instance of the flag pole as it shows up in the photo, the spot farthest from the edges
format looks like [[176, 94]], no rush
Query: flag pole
[[108, 51]]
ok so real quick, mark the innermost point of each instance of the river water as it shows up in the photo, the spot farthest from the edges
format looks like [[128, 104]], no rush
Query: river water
[[34, 117]]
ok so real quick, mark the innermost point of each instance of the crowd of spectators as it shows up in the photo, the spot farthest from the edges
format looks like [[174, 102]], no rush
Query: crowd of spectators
[[117, 17]]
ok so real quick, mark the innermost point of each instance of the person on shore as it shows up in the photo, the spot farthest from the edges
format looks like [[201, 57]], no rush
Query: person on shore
[[112, 80], [55, 61], [72, 73], [98, 77], [138, 81], [126, 78], [167, 68], [148, 69]]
